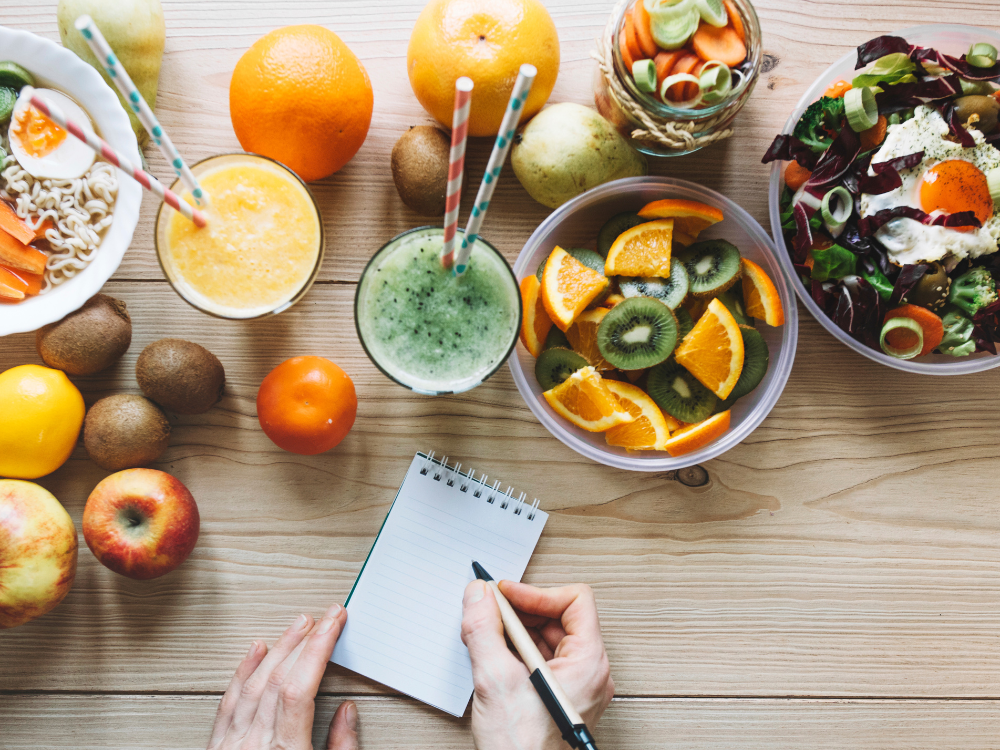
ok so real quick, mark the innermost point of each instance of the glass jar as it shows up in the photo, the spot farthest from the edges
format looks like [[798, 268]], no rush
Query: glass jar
[[699, 123]]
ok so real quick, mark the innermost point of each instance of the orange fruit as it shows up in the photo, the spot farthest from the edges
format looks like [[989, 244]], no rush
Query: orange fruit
[[306, 405], [713, 350], [697, 435], [568, 287], [690, 217], [649, 431], [585, 400], [582, 337], [643, 250], [300, 96], [535, 322], [611, 300], [760, 296], [487, 40]]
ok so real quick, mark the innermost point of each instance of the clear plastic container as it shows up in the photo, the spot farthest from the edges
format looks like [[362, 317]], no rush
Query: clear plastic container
[[575, 224], [952, 39]]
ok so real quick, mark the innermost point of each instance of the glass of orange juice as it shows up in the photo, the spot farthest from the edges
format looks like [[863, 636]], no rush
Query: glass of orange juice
[[262, 247]]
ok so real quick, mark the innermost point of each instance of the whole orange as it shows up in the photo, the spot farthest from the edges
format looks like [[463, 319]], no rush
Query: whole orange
[[306, 405], [300, 96], [487, 40]]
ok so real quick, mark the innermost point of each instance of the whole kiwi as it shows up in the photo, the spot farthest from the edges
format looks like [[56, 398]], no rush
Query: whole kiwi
[[986, 107], [420, 169], [89, 340], [124, 432], [180, 376]]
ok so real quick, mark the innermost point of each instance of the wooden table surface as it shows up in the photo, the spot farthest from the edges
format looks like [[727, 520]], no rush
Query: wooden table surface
[[836, 584]]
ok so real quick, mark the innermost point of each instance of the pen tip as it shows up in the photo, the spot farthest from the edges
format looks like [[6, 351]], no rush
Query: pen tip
[[480, 571]]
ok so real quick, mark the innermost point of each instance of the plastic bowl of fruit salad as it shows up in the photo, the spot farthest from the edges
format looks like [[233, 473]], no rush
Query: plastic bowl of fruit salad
[[659, 329], [883, 199]]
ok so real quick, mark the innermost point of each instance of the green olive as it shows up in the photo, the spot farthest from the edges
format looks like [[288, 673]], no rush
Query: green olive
[[932, 289], [986, 107]]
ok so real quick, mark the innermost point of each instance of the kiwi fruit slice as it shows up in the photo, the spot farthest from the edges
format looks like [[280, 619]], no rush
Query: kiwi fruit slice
[[556, 338], [637, 333], [713, 266], [733, 300], [553, 366], [615, 226], [755, 360], [670, 292], [684, 322], [87, 340], [678, 392], [124, 432], [180, 376]]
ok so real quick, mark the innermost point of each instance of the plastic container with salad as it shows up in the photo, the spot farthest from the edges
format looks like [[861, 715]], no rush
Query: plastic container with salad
[[887, 188], [692, 63]]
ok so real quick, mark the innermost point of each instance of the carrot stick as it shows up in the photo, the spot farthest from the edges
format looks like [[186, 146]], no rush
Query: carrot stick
[[631, 40], [665, 62], [685, 64], [643, 31], [11, 287], [837, 89], [42, 229], [735, 20], [16, 254], [722, 44], [928, 321], [14, 225], [874, 136], [626, 55], [30, 283], [796, 176]]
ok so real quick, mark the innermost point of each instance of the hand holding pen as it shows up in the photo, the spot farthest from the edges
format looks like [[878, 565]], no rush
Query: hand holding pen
[[507, 711]]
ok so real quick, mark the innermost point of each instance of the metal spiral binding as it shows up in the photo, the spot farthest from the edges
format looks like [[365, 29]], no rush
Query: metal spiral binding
[[436, 468]]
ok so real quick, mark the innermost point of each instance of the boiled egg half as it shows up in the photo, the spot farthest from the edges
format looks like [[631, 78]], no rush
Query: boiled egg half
[[44, 149]]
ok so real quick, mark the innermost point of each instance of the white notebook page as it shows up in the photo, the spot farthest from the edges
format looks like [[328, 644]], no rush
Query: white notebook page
[[405, 611]]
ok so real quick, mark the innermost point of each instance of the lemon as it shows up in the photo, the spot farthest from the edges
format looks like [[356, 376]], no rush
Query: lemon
[[41, 413]]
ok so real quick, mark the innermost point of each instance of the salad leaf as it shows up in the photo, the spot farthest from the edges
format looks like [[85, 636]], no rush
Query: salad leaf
[[879, 281], [987, 328], [833, 262], [955, 126], [904, 96], [886, 177], [890, 69], [859, 310], [872, 254], [786, 148], [871, 224], [823, 295], [879, 47], [820, 122], [836, 160], [908, 277]]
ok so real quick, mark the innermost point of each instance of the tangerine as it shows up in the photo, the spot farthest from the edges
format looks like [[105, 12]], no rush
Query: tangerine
[[306, 405]]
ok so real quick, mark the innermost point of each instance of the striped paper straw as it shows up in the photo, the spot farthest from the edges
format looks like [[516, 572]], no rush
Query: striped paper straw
[[103, 52], [456, 166], [91, 139], [522, 86]]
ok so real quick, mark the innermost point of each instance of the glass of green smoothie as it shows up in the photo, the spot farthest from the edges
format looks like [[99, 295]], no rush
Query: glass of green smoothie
[[429, 330]]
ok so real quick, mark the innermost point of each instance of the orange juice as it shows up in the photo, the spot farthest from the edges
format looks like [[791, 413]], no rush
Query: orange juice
[[261, 248]]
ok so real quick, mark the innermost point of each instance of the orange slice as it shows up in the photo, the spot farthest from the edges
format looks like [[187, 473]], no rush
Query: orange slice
[[690, 217], [611, 300], [582, 337], [760, 297], [643, 250], [649, 431], [584, 399], [695, 306], [535, 322], [568, 287], [697, 435], [713, 350]]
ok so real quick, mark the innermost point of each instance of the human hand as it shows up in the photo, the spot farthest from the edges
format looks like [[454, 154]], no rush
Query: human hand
[[270, 702], [506, 711]]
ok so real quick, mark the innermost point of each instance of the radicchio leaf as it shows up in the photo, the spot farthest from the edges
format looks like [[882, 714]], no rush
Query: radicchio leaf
[[986, 328], [886, 177], [881, 46], [908, 277], [836, 160], [871, 224], [867, 248], [956, 126], [786, 148], [903, 96], [822, 294], [859, 310], [803, 235]]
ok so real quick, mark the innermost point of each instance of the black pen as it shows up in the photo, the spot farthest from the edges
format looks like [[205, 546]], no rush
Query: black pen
[[570, 723]]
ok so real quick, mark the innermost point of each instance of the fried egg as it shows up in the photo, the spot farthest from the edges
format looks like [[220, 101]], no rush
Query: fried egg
[[950, 179], [44, 149]]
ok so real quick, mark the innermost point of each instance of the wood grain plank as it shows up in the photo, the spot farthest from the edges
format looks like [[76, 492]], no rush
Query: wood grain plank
[[183, 723]]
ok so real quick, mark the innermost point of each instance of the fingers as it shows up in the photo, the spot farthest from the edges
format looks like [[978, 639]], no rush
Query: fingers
[[543, 648], [344, 728], [573, 605], [227, 706], [482, 633], [297, 695], [553, 634]]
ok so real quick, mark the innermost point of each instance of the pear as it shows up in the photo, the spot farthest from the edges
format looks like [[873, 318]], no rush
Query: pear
[[136, 32]]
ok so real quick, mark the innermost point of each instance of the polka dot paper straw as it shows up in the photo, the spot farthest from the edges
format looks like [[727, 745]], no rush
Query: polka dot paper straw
[[103, 52], [522, 86], [100, 146], [456, 167]]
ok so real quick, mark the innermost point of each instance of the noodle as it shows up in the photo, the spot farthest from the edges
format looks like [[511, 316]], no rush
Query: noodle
[[79, 209]]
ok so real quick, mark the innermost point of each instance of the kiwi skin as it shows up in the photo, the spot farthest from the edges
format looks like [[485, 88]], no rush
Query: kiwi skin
[[181, 376], [420, 169], [88, 340], [124, 432]]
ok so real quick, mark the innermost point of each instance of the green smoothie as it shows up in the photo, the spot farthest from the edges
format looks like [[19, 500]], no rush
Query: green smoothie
[[429, 330]]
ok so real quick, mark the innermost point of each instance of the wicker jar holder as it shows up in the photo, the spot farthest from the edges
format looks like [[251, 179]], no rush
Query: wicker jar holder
[[670, 135]]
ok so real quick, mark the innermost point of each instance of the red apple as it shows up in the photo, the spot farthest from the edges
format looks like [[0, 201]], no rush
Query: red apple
[[141, 523], [37, 552]]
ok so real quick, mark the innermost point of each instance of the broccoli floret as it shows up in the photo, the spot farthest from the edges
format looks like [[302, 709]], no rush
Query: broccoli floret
[[973, 290], [821, 121], [957, 341]]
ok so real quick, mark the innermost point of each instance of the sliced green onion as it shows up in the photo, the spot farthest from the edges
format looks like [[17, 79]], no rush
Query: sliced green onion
[[713, 12], [644, 73], [672, 25], [993, 180], [715, 81], [862, 112], [667, 8], [836, 219], [909, 324], [982, 55], [681, 78]]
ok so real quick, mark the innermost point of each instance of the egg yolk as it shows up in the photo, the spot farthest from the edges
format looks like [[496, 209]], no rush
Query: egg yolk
[[38, 135], [954, 186]]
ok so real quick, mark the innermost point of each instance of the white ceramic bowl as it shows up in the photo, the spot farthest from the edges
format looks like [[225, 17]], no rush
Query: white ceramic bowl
[[575, 224], [952, 39], [59, 68]]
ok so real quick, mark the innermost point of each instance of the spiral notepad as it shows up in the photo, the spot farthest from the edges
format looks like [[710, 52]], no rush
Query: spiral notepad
[[405, 610]]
